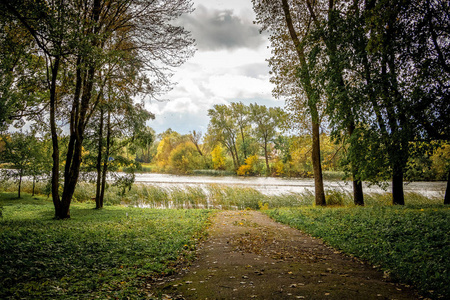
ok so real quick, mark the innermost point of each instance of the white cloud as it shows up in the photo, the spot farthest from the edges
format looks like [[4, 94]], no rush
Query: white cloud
[[225, 69]]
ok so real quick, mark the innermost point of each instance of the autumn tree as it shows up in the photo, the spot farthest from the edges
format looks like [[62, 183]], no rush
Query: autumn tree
[[290, 30], [222, 126], [77, 34], [267, 123], [168, 141], [241, 114]]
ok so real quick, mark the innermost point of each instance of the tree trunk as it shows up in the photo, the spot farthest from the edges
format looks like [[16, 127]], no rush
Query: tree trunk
[[447, 193], [317, 167], [105, 163], [237, 156], [54, 134], [230, 148], [266, 154], [20, 183], [70, 181], [34, 185], [244, 145], [398, 197], [358, 196], [312, 99], [99, 161]]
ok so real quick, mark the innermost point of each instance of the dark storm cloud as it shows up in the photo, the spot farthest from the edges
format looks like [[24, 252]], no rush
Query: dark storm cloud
[[221, 29]]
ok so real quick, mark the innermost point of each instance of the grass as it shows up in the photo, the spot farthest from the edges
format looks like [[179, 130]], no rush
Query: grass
[[113, 252], [108, 253], [409, 243]]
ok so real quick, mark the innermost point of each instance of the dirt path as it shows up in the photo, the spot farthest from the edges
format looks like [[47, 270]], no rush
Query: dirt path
[[248, 255]]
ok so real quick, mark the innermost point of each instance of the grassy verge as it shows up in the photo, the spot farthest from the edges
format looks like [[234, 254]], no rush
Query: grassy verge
[[109, 253], [409, 243]]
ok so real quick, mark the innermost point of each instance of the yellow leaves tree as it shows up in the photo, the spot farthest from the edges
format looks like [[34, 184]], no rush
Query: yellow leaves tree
[[184, 158], [218, 157], [250, 167]]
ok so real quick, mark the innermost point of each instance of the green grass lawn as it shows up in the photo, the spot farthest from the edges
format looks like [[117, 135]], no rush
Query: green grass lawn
[[112, 252], [411, 244]]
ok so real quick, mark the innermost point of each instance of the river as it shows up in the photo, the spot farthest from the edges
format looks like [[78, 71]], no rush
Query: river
[[278, 186]]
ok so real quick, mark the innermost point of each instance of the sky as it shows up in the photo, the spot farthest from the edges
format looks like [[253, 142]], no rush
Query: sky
[[229, 66]]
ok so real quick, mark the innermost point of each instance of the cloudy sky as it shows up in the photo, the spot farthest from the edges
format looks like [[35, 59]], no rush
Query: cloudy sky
[[229, 66]]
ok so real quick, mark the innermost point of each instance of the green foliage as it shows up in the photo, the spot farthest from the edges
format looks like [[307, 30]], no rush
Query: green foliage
[[184, 158], [336, 198], [428, 161], [410, 243], [24, 155], [110, 253]]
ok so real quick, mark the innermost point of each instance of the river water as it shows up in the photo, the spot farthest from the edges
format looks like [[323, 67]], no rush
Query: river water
[[279, 186]]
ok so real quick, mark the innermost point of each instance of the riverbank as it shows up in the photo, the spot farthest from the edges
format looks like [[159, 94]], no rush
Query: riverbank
[[279, 186]]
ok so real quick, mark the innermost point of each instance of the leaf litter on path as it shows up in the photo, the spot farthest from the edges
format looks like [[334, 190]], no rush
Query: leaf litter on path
[[248, 255]]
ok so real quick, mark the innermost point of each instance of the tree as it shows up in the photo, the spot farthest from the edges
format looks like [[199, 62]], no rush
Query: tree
[[241, 114], [20, 153], [267, 121], [144, 140], [393, 78], [184, 158], [169, 141], [195, 138], [429, 54], [79, 34], [218, 157], [276, 17], [222, 126]]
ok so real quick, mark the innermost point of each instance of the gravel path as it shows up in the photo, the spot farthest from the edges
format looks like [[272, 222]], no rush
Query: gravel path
[[249, 256]]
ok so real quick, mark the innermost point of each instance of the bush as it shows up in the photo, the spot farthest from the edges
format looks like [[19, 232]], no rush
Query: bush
[[251, 167], [184, 158]]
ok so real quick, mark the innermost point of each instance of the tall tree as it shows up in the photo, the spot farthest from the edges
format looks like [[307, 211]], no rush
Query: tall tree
[[326, 16], [428, 28], [78, 33], [267, 122], [241, 114], [223, 128], [282, 22], [388, 53]]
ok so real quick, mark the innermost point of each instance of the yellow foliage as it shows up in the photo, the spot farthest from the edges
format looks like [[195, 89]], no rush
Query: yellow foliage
[[249, 167], [163, 152], [218, 158], [279, 168], [262, 206], [441, 160], [244, 170]]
